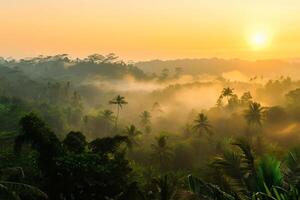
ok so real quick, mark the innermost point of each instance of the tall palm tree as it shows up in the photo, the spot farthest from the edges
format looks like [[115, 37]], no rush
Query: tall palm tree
[[119, 101], [254, 114], [201, 124], [132, 132], [162, 151]]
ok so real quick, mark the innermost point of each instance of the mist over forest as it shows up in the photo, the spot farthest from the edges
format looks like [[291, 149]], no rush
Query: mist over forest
[[102, 128]]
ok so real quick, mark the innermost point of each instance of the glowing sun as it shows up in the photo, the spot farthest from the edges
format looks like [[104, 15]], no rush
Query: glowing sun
[[259, 40]]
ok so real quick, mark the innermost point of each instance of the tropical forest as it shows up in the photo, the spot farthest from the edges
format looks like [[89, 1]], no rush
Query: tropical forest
[[100, 128], [150, 100]]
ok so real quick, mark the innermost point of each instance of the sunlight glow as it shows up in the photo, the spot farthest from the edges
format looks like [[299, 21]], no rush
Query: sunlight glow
[[259, 40]]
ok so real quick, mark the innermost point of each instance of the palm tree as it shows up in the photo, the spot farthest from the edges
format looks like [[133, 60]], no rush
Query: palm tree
[[145, 117], [162, 151], [254, 114], [246, 98], [219, 101], [132, 132], [292, 167], [145, 121], [107, 118], [206, 190], [269, 172], [227, 92], [119, 101], [245, 178], [108, 115], [201, 124]]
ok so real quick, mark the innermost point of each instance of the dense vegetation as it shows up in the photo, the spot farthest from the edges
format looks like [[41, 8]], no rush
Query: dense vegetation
[[99, 128]]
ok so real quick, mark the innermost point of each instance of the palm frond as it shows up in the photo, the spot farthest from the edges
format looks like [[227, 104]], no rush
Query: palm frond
[[231, 165], [207, 190], [21, 188], [248, 164], [269, 173], [292, 166]]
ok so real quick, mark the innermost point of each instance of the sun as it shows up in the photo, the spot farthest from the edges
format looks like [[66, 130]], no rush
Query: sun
[[259, 40]]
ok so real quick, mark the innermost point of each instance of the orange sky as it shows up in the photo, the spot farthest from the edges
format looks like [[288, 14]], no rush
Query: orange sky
[[149, 29]]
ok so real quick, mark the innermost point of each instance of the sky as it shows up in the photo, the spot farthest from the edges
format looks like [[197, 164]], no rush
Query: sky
[[151, 29]]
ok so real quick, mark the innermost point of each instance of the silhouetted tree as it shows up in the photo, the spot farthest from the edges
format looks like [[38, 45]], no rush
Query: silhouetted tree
[[75, 142], [202, 125], [119, 101], [107, 145], [146, 121], [132, 132], [162, 151], [254, 114], [227, 92], [45, 142], [246, 98]]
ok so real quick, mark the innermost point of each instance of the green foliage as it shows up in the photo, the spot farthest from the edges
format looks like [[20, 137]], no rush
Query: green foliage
[[107, 145], [15, 190], [277, 193], [92, 176], [166, 188], [11, 111], [292, 166], [78, 173], [66, 95], [269, 173], [75, 142]]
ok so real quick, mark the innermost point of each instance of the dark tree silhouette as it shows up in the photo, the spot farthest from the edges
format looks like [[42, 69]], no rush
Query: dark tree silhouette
[[132, 132], [119, 101], [254, 114], [162, 151], [202, 125], [75, 142]]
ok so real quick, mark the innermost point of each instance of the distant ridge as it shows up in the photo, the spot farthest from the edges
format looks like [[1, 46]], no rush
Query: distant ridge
[[217, 66]]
